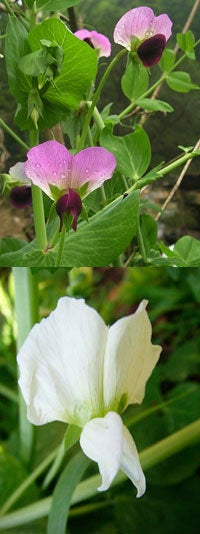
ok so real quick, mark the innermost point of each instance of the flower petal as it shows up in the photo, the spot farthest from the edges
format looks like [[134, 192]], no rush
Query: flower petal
[[49, 163], [130, 463], [20, 196], [141, 23], [150, 50], [101, 441], [162, 25], [98, 40], [17, 174], [129, 360], [134, 23], [61, 365], [93, 166]]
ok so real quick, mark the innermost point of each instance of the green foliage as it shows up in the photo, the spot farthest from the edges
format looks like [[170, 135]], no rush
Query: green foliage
[[181, 82], [61, 79], [135, 80], [98, 242], [133, 151]]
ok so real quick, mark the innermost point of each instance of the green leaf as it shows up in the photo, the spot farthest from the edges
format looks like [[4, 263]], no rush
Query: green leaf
[[187, 249], [56, 5], [63, 492], [35, 63], [71, 437], [132, 152], [95, 244], [167, 60], [149, 231], [135, 80], [154, 105], [186, 42], [16, 46], [78, 67], [181, 82]]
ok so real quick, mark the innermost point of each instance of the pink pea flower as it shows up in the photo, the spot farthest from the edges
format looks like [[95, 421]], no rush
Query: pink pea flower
[[67, 178], [139, 30], [95, 40]]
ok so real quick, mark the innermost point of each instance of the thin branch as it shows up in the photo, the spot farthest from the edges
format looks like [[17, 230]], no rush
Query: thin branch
[[177, 184]]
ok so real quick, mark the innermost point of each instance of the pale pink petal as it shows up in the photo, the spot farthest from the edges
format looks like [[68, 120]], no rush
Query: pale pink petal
[[49, 163], [162, 25], [98, 40], [135, 23], [93, 166]]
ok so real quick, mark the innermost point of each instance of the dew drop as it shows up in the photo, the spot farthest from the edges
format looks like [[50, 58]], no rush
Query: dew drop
[[60, 165], [54, 173], [38, 165], [86, 170]]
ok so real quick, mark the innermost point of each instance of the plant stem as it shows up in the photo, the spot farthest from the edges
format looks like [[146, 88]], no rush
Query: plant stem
[[60, 246], [28, 481], [26, 309], [151, 89], [37, 202], [96, 98], [165, 170], [13, 134]]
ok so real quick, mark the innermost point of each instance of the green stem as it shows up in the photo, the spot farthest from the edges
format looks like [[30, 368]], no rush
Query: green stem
[[141, 243], [162, 172], [86, 489], [9, 10], [37, 202], [8, 393], [26, 308], [29, 480], [39, 219], [151, 89], [96, 98], [60, 246], [13, 134]]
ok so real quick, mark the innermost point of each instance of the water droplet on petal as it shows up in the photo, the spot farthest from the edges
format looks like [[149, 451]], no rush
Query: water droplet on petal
[[86, 170], [60, 165], [38, 165], [54, 173]]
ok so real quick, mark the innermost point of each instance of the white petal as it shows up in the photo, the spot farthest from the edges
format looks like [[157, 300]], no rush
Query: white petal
[[61, 365], [130, 463], [129, 360], [101, 441], [17, 174]]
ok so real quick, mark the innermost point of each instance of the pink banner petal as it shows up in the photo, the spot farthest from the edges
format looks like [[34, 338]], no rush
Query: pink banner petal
[[49, 163], [93, 165]]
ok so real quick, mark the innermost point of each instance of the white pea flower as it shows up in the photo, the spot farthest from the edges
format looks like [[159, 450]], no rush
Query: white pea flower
[[74, 368]]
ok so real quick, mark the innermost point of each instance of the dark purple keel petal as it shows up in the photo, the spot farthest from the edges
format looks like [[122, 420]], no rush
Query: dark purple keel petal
[[88, 41], [20, 197], [71, 204], [150, 50]]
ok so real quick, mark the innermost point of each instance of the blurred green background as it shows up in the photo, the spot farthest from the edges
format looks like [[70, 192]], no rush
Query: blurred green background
[[171, 502]]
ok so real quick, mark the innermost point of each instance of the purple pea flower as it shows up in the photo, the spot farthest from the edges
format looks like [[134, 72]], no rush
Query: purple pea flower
[[139, 30], [67, 178], [95, 40]]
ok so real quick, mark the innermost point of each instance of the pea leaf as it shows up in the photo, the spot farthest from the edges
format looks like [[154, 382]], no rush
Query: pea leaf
[[132, 152], [181, 82]]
